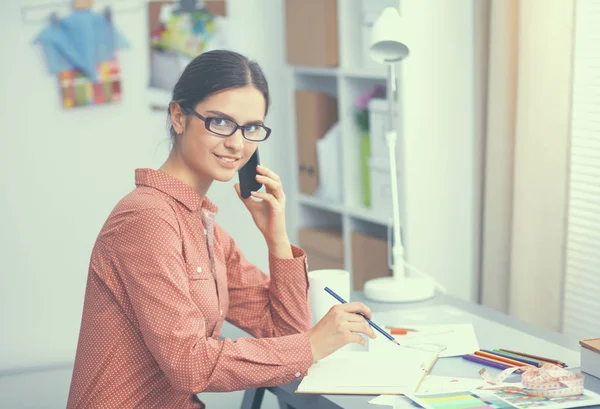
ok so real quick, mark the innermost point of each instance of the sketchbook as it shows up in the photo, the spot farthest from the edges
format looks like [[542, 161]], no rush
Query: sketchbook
[[398, 371]]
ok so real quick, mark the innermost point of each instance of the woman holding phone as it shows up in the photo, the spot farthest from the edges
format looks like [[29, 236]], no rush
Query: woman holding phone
[[163, 275]]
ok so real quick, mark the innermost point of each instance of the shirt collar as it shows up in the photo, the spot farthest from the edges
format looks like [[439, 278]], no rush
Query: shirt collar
[[175, 188]]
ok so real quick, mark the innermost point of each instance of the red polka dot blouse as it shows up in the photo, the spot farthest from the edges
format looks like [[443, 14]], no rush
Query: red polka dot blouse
[[163, 277]]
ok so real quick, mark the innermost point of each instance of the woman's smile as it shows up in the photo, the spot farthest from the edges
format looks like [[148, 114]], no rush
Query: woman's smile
[[229, 162]]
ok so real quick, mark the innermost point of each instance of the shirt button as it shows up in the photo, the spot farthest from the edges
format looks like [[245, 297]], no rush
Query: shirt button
[[205, 232], [199, 269], [221, 312], [298, 374]]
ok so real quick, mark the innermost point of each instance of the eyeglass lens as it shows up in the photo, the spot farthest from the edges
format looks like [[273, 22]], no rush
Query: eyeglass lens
[[226, 127]]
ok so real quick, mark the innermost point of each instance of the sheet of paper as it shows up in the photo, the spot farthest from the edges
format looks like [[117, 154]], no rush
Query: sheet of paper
[[395, 401], [502, 400], [435, 384], [398, 371], [502, 336], [452, 340], [442, 384], [460, 400]]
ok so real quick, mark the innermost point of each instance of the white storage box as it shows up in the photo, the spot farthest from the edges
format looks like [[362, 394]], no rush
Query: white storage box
[[329, 160], [378, 111], [381, 187], [590, 356], [370, 11]]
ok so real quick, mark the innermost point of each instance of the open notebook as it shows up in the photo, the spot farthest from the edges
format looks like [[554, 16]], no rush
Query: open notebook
[[398, 371]]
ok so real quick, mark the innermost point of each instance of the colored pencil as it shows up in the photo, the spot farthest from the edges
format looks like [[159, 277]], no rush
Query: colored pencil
[[400, 331], [406, 329], [478, 354], [539, 358], [487, 362], [501, 359], [371, 323], [515, 357]]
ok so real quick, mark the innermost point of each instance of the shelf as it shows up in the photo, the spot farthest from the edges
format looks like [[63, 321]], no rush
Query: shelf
[[357, 72], [364, 73], [321, 71], [320, 203], [358, 213], [347, 82], [368, 216]]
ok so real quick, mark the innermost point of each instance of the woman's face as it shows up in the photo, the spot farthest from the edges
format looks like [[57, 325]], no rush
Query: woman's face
[[210, 156]]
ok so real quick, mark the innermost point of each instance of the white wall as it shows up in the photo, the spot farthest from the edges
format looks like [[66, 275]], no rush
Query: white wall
[[63, 171], [442, 155]]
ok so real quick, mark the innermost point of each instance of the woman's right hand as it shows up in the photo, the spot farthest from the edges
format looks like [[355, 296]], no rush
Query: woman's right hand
[[340, 326]]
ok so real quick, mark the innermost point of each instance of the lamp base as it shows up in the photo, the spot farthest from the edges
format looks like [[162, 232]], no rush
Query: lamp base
[[390, 289]]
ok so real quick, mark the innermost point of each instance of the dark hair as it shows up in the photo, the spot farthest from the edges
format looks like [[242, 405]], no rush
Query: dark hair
[[214, 71]]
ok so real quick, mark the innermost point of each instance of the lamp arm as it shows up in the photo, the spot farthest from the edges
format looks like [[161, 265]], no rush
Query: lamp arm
[[398, 248], [392, 138]]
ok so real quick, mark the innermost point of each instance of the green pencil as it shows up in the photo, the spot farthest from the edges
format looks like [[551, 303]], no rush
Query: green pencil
[[533, 357], [518, 357]]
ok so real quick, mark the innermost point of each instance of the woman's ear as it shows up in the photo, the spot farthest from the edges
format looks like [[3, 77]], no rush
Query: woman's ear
[[178, 117]]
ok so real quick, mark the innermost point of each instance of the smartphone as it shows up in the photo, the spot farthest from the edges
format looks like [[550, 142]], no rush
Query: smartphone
[[247, 176]]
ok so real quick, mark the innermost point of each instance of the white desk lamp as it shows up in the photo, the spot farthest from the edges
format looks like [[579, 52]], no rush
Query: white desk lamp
[[386, 48]]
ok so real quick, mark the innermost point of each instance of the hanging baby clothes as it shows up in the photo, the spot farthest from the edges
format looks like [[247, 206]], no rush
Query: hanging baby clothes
[[81, 49]]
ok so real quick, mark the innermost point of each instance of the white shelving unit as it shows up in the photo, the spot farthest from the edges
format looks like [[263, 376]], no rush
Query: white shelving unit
[[441, 150], [346, 82]]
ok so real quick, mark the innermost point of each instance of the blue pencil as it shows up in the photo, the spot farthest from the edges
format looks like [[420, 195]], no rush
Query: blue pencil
[[371, 323], [483, 361]]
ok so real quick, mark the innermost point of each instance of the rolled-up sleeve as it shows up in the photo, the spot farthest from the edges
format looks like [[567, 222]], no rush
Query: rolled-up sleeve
[[147, 252], [267, 306]]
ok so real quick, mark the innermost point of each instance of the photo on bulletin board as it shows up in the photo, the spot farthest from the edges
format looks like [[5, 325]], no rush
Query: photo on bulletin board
[[178, 32]]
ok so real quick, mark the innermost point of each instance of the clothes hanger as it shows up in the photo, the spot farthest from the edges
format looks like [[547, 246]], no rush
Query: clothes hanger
[[108, 14], [188, 6], [54, 19]]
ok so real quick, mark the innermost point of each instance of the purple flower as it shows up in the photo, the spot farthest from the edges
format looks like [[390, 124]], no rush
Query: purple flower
[[363, 101], [378, 91]]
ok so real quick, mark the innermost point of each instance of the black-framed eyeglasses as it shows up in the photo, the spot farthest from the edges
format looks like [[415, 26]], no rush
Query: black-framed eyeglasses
[[227, 127]]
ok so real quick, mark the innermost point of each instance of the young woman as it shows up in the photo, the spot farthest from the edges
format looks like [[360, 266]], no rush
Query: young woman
[[164, 275]]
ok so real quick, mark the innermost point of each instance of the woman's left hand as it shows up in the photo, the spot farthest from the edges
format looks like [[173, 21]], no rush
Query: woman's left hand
[[268, 213]]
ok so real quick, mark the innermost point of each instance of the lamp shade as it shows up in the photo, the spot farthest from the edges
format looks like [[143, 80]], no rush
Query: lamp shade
[[386, 45]]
